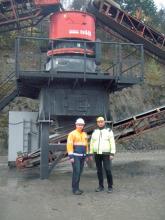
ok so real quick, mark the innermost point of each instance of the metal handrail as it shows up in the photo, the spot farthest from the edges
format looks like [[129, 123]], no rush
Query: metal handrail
[[9, 77], [5, 85], [8, 90]]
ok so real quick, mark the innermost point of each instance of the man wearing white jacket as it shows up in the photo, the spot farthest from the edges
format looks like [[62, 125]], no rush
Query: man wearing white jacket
[[102, 146]]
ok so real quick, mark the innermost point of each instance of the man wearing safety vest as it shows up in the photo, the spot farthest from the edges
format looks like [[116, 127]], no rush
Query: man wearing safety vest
[[77, 147], [102, 145]]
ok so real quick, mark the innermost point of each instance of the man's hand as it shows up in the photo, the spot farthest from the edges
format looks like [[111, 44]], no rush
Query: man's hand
[[111, 157], [71, 160], [91, 158]]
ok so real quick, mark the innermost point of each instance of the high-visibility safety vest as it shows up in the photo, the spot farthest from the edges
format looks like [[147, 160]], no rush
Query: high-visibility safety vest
[[77, 143], [102, 142]]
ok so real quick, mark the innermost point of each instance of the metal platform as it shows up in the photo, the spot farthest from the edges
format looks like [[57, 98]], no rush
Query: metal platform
[[124, 66]]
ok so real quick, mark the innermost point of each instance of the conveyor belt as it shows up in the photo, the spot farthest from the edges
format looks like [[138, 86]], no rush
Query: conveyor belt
[[129, 27], [19, 14], [123, 130], [139, 124]]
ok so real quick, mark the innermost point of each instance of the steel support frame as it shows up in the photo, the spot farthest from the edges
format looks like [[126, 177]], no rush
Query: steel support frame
[[133, 23], [43, 143], [45, 166], [140, 124]]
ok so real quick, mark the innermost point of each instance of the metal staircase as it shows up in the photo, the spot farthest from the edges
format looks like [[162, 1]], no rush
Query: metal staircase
[[8, 90]]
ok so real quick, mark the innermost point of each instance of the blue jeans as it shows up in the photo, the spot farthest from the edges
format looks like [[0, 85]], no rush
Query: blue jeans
[[77, 166]]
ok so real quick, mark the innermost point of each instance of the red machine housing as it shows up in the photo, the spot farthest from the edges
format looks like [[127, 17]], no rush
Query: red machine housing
[[72, 25], [46, 2]]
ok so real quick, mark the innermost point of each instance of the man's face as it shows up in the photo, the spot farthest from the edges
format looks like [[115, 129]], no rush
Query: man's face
[[100, 124], [79, 127]]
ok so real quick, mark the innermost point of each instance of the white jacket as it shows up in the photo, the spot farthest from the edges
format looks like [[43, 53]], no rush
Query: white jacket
[[102, 142]]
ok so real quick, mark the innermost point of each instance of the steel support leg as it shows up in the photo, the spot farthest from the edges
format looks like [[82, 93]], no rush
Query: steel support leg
[[44, 161]]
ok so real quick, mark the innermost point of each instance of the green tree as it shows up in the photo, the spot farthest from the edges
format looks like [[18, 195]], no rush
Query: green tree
[[161, 19], [148, 6], [150, 14]]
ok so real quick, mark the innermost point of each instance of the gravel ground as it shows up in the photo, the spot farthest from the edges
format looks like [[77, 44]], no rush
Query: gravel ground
[[139, 191]]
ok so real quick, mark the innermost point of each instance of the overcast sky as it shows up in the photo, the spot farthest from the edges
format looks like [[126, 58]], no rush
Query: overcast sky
[[159, 3]]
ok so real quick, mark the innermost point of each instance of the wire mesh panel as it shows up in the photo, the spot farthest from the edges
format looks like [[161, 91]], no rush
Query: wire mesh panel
[[123, 61]]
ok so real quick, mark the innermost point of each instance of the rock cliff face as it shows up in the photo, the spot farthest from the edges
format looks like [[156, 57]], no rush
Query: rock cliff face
[[136, 99]]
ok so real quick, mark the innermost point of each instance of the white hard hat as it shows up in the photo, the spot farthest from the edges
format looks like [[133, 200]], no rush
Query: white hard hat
[[100, 119], [80, 121]]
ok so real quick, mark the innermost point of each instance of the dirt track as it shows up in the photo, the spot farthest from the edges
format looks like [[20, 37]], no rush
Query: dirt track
[[139, 192]]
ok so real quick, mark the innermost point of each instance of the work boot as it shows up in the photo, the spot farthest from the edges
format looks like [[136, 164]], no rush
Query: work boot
[[110, 190], [77, 192], [99, 189], [81, 190]]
